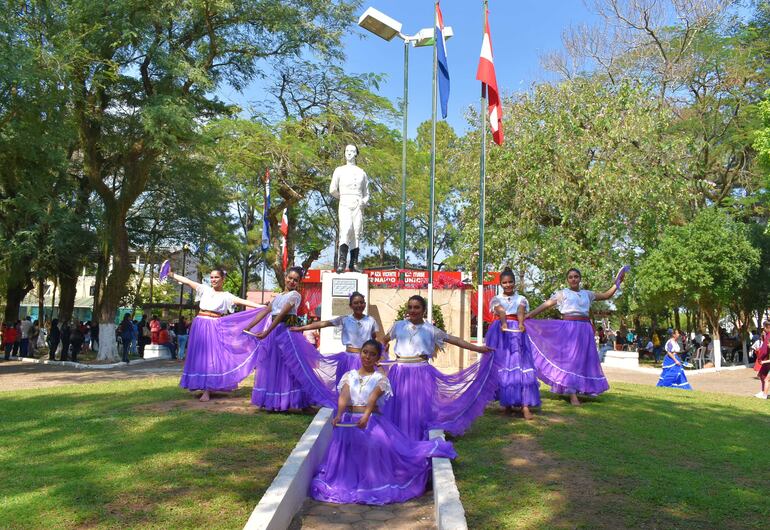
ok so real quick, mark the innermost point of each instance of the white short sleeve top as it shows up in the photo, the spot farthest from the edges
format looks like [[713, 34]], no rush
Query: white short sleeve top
[[355, 332], [416, 340], [292, 298], [215, 301], [672, 346], [571, 302], [362, 387], [510, 303]]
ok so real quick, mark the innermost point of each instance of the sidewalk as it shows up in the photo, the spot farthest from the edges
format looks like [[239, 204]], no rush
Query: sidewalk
[[736, 382], [16, 375]]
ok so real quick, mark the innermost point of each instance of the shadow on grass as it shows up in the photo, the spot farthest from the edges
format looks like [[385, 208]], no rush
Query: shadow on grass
[[90, 455], [635, 457]]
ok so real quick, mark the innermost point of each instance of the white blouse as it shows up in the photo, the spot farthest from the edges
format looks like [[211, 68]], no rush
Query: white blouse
[[355, 332], [572, 302], [215, 301], [292, 298], [672, 346], [362, 387], [510, 303], [416, 340]]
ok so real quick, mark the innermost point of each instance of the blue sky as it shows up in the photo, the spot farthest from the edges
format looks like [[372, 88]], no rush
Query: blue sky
[[522, 31]]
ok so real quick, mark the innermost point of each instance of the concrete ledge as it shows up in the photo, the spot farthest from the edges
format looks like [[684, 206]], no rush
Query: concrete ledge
[[82, 366], [290, 487], [449, 511], [156, 351], [621, 359], [699, 371]]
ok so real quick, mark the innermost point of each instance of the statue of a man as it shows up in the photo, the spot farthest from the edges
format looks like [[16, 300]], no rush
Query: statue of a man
[[351, 186]]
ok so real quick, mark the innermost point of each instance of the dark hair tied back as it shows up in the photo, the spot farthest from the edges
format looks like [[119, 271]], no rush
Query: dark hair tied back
[[507, 273], [299, 270], [419, 299], [372, 342], [220, 270], [353, 295], [573, 269]]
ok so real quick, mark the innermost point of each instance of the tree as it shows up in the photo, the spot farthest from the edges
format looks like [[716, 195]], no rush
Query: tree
[[704, 263], [140, 76]]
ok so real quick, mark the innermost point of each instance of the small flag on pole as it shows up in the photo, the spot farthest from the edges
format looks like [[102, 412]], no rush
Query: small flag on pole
[[443, 65], [265, 215], [486, 74], [284, 235]]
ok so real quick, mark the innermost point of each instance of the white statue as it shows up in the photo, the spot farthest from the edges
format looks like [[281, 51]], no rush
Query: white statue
[[351, 186]]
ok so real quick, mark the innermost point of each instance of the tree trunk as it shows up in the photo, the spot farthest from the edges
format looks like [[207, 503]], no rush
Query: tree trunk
[[677, 321], [41, 301], [713, 320], [17, 286], [68, 282]]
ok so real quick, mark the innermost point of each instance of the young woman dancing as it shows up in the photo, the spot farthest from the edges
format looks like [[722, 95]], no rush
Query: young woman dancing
[[564, 351], [218, 357], [274, 386], [673, 373], [517, 380], [369, 460]]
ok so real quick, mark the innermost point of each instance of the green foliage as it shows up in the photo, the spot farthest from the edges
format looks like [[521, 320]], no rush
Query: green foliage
[[704, 263]]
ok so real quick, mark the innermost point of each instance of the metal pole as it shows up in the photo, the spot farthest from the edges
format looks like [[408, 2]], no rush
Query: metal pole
[[402, 258], [264, 263], [482, 202], [432, 170], [181, 285]]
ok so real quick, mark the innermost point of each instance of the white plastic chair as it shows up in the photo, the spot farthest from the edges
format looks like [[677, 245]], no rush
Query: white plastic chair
[[698, 359]]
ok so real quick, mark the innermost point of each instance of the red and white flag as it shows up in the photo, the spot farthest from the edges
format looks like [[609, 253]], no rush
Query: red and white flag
[[284, 235], [486, 74]]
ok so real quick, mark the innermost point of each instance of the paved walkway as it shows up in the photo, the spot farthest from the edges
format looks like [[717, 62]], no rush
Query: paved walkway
[[15, 375], [741, 382], [416, 514]]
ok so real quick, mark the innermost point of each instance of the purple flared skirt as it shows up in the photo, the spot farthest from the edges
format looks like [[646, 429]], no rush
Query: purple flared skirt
[[565, 356], [275, 388], [219, 355], [376, 465], [517, 380], [425, 398]]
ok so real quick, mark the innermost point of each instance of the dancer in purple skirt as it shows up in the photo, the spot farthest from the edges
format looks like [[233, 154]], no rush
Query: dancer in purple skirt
[[218, 355], [369, 460], [274, 386], [423, 397], [564, 350], [356, 329], [517, 380]]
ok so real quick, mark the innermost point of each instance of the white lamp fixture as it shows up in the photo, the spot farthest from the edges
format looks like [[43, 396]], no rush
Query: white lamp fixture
[[424, 37], [380, 24]]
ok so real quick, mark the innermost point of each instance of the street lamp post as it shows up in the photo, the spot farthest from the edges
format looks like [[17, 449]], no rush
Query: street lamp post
[[386, 28], [185, 248]]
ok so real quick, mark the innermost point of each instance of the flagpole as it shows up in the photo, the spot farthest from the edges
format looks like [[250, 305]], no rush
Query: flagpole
[[432, 166], [482, 202]]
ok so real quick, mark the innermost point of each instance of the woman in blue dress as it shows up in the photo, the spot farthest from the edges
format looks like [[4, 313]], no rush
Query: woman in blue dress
[[673, 371]]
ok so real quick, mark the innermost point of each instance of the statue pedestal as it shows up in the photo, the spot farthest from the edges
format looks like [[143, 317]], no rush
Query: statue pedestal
[[335, 301], [156, 351]]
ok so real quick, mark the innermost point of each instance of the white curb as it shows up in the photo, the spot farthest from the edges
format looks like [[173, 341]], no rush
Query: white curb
[[82, 366], [449, 511], [289, 489]]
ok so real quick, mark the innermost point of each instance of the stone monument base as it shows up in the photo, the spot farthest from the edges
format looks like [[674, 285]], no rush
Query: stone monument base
[[156, 351], [621, 359]]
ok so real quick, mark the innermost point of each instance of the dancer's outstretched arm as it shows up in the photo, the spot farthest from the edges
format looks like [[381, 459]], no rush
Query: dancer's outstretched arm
[[313, 325], [277, 320], [247, 303], [520, 314], [542, 307], [181, 279], [606, 295], [262, 314], [460, 343]]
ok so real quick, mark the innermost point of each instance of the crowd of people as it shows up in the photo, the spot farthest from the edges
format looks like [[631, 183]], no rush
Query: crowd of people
[[69, 339]]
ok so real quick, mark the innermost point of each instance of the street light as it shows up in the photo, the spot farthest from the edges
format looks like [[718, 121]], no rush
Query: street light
[[386, 28], [185, 248]]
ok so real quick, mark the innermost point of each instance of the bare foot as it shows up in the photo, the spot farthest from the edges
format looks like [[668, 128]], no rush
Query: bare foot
[[527, 414], [205, 396], [573, 400]]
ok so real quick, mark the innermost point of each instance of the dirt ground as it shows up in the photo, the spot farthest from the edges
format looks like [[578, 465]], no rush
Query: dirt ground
[[742, 382]]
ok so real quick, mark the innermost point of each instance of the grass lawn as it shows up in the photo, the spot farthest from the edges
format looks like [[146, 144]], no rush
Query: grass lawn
[[636, 457], [106, 455]]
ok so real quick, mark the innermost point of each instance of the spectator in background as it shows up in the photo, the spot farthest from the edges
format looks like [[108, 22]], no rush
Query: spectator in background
[[65, 340], [54, 337], [134, 337], [76, 341], [17, 342], [25, 327], [144, 335], [34, 333], [154, 330], [657, 349], [9, 338], [709, 345], [126, 333], [181, 336], [94, 336], [164, 339]]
